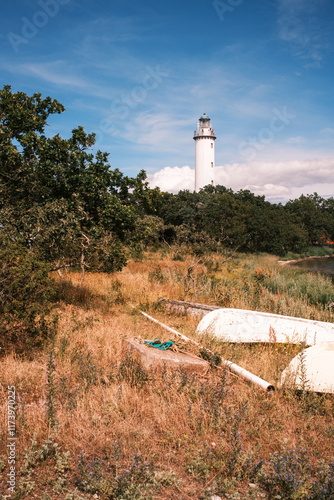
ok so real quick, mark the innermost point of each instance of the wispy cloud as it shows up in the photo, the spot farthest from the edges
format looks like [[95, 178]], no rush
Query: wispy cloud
[[66, 75], [296, 140], [327, 132], [300, 27], [158, 132], [56, 72]]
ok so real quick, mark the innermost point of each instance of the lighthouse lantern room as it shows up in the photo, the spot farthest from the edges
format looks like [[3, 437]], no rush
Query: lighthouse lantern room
[[204, 138]]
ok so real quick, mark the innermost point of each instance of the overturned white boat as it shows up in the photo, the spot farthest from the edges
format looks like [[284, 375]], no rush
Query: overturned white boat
[[312, 369], [240, 325]]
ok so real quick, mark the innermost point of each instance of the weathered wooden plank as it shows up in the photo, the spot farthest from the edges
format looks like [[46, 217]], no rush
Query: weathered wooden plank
[[184, 307]]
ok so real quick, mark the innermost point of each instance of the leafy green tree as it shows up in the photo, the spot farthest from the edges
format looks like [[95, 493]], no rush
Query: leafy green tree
[[240, 221], [149, 232], [180, 208], [57, 199], [224, 218], [328, 205], [315, 215], [272, 229]]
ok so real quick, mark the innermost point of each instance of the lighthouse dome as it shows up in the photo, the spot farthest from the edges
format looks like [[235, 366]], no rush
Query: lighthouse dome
[[204, 118]]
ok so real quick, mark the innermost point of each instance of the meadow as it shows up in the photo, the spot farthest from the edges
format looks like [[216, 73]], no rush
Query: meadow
[[91, 423]]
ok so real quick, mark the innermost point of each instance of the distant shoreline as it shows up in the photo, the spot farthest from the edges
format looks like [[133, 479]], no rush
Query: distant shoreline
[[286, 262]]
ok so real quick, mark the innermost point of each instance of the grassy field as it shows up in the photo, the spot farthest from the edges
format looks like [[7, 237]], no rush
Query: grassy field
[[91, 423]]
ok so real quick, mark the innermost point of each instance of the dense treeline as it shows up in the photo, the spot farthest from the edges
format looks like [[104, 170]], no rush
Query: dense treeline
[[247, 222], [61, 207]]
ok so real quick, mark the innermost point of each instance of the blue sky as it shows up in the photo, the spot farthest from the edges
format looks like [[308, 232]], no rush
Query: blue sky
[[140, 74]]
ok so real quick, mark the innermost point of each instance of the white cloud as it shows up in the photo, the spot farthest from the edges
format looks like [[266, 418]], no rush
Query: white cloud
[[173, 179], [296, 173], [296, 140], [269, 191], [277, 181]]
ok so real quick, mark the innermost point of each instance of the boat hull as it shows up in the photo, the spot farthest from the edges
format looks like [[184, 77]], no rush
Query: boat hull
[[312, 370], [239, 325]]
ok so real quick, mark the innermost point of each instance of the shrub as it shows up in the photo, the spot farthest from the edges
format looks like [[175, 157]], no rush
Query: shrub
[[26, 299]]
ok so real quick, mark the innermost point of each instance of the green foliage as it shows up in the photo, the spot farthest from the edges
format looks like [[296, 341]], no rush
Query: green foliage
[[213, 358], [122, 483], [149, 231], [312, 251], [216, 216], [26, 298], [71, 209], [86, 366], [315, 215], [60, 201], [291, 476], [315, 288], [32, 457], [62, 206]]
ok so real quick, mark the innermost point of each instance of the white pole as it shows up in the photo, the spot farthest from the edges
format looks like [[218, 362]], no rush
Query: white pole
[[231, 366]]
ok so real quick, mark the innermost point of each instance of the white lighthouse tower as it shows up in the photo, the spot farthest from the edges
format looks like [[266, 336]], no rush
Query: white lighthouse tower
[[204, 138]]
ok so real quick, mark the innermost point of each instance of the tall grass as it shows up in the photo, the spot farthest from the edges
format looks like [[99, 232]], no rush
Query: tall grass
[[91, 421]]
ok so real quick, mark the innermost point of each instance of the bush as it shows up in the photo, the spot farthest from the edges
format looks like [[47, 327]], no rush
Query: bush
[[26, 299]]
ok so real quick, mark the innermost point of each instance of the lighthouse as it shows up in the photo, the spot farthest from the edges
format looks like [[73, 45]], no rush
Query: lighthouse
[[204, 138]]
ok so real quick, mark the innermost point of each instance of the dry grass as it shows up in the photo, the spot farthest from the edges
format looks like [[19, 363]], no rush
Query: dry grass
[[186, 427]]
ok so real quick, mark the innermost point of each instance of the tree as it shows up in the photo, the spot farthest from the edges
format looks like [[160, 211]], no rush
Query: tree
[[57, 199], [181, 208], [315, 216], [274, 230], [224, 218]]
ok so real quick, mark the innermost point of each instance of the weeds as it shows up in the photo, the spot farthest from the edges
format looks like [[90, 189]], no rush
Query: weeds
[[291, 476], [51, 392], [21, 411], [89, 474], [116, 295], [213, 358], [68, 397], [224, 459], [157, 275], [323, 485], [75, 495], [62, 466], [35, 456], [131, 370], [235, 442], [127, 483], [84, 360], [198, 432], [94, 477]]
